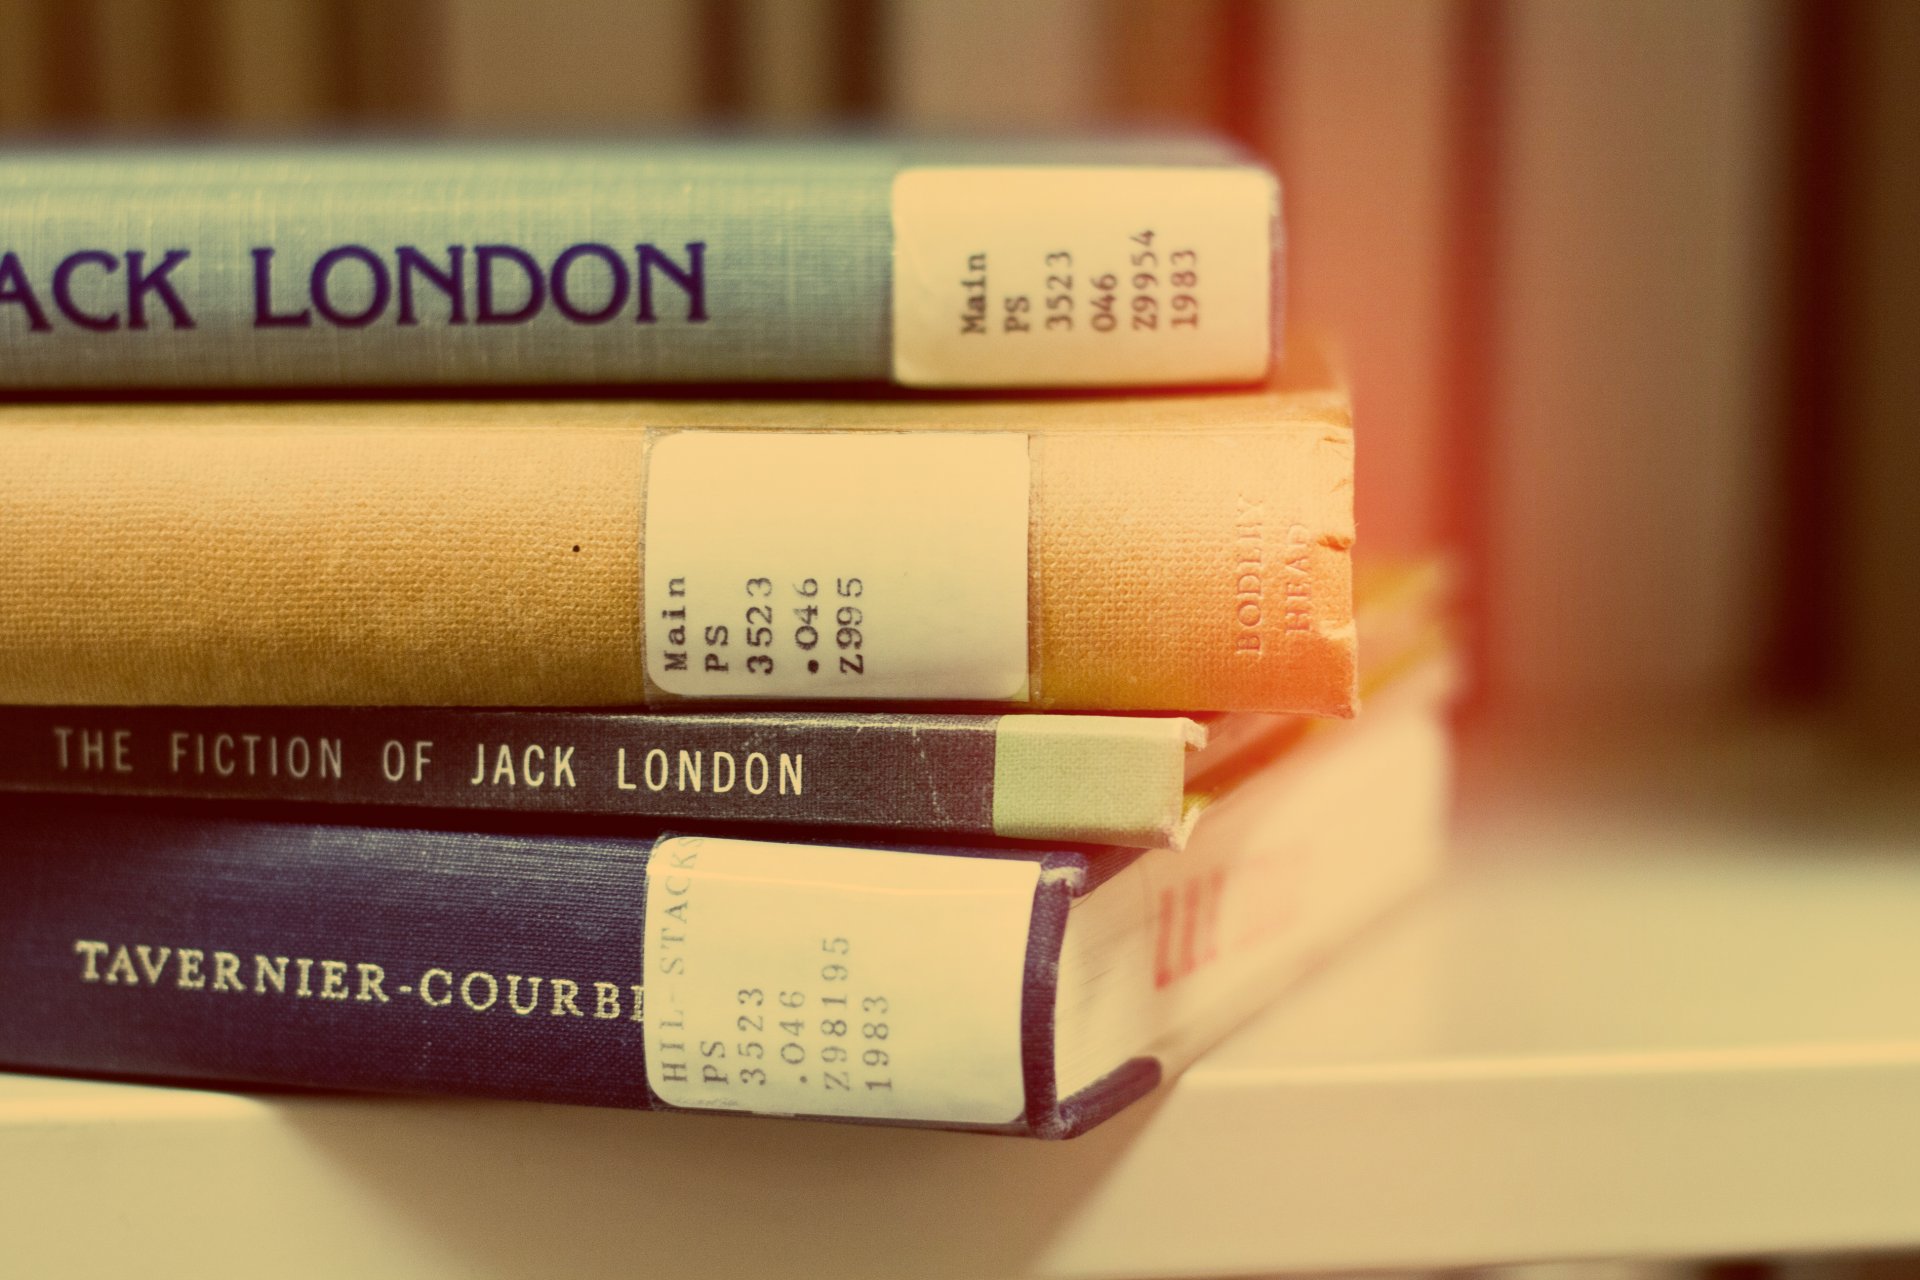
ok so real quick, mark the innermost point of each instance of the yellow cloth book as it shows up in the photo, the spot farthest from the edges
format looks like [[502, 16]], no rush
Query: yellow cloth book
[[1184, 552]]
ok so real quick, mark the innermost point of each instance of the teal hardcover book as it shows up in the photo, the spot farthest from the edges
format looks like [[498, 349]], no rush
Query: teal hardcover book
[[1120, 262]]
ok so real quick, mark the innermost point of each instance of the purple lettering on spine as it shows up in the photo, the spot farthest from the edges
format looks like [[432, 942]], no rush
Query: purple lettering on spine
[[319, 287], [15, 289], [563, 301], [691, 279], [263, 315], [63, 289], [451, 282], [141, 282], [484, 256]]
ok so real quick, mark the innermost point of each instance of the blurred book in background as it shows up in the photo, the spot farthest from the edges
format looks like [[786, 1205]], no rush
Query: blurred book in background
[[1624, 287]]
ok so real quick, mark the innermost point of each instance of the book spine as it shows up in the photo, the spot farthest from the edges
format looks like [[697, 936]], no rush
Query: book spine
[[692, 973], [271, 64], [166, 562], [25, 57], [614, 266], [1106, 780], [508, 67]]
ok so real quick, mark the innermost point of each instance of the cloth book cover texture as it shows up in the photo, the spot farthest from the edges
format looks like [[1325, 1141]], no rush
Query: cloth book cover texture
[[1179, 553], [1014, 991], [1099, 779], [448, 264], [506, 966]]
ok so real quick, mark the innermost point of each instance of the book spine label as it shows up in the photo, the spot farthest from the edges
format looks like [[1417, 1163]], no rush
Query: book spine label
[[548, 969], [1033, 276], [925, 773], [809, 565], [848, 983]]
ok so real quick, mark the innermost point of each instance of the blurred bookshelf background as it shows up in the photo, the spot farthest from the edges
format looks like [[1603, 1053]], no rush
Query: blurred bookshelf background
[[1629, 292], [1627, 288]]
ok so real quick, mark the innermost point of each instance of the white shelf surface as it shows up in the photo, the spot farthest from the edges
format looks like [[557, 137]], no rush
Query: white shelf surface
[[1607, 1034]]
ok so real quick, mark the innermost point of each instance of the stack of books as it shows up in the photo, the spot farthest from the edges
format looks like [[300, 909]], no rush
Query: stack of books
[[477, 620]]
